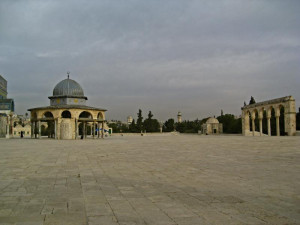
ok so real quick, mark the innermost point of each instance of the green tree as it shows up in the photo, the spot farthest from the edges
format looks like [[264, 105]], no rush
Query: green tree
[[189, 126], [118, 127], [150, 115], [139, 122], [230, 124], [252, 100], [132, 127], [169, 125], [151, 125]]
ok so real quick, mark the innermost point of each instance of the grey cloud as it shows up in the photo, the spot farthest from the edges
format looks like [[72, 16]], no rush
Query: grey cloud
[[165, 56]]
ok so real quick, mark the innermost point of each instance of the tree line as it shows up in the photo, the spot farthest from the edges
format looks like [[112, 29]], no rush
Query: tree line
[[150, 124], [231, 124]]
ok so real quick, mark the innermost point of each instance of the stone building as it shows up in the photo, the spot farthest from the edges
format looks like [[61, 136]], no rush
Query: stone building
[[3, 125], [263, 110], [7, 108], [25, 129], [68, 114], [3, 88], [212, 126]]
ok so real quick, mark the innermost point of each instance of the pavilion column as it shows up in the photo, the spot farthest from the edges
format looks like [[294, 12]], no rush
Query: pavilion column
[[98, 126], [246, 126], [40, 130], [94, 129], [84, 129], [7, 127], [277, 126], [32, 129], [76, 130], [55, 129], [253, 126], [269, 126], [260, 126], [102, 134], [11, 133]]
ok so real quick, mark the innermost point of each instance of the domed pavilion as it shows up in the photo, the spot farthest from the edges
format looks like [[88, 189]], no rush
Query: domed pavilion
[[212, 126], [68, 117]]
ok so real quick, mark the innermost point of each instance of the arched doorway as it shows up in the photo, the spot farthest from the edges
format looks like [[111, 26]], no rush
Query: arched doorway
[[47, 115], [66, 114], [86, 115], [49, 129], [84, 128]]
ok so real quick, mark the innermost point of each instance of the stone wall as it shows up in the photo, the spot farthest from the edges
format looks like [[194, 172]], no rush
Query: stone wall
[[3, 123]]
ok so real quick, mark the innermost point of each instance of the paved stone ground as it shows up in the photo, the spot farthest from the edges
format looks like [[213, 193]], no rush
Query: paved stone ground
[[153, 180]]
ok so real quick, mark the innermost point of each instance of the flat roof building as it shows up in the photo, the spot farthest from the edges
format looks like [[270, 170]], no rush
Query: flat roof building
[[3, 88], [6, 105]]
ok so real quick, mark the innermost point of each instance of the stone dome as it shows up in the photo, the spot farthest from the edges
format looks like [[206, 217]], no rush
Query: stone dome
[[212, 120], [68, 87]]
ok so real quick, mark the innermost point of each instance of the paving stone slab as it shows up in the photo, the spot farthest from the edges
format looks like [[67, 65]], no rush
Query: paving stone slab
[[154, 179]]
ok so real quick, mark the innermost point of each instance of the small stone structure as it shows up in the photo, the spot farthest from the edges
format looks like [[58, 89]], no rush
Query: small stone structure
[[212, 126], [250, 111], [67, 111]]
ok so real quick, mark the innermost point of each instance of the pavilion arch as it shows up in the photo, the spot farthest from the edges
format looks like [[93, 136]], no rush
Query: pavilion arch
[[33, 115], [66, 114], [86, 114], [285, 114], [47, 115], [100, 116]]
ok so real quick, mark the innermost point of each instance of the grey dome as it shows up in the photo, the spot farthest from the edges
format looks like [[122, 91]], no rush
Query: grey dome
[[68, 87]]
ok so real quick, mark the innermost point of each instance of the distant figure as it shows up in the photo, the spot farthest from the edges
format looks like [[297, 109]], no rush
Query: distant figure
[[22, 134], [81, 136]]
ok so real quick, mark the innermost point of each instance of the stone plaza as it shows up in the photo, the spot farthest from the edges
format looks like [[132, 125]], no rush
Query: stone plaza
[[151, 180]]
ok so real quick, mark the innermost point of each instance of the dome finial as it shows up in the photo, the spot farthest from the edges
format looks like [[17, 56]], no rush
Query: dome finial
[[68, 74]]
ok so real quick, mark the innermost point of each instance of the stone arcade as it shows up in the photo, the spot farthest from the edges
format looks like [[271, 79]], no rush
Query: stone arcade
[[67, 111], [249, 112]]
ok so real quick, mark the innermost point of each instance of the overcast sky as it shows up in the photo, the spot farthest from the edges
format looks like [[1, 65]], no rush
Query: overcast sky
[[193, 56]]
